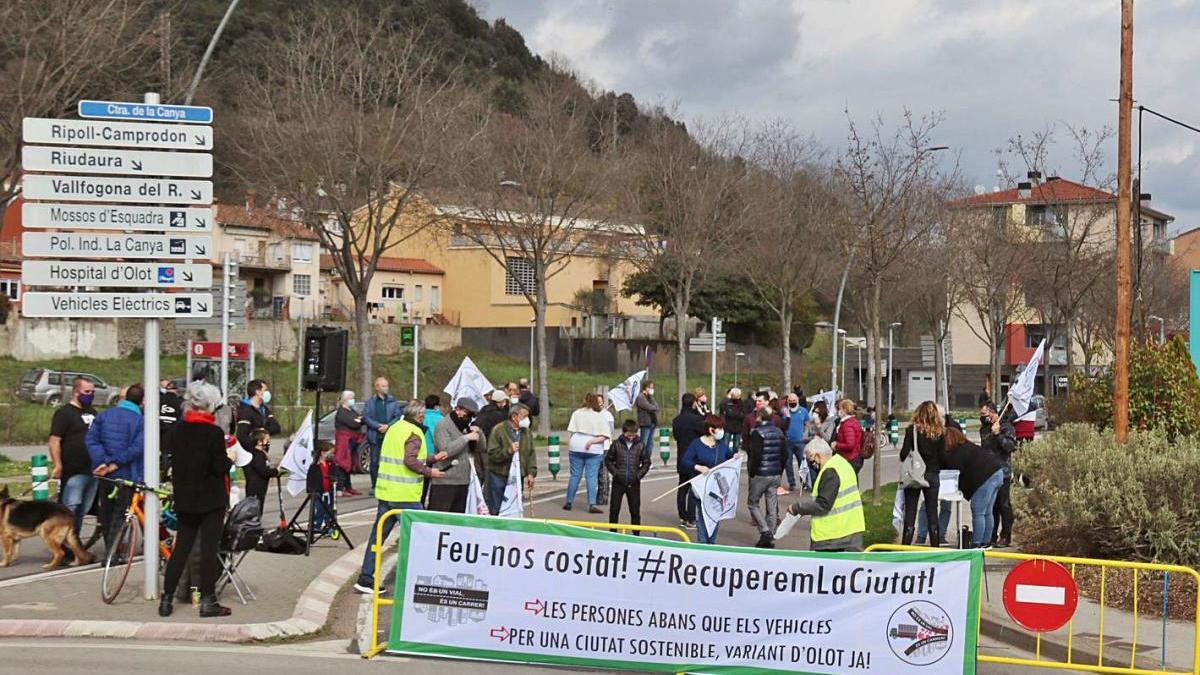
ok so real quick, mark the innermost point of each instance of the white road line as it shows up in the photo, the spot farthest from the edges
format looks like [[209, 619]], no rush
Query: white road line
[[1041, 595]]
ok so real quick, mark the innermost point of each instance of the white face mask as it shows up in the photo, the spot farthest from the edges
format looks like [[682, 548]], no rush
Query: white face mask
[[650, 392], [514, 399], [719, 434], [350, 403], [266, 397], [793, 407], [524, 423]]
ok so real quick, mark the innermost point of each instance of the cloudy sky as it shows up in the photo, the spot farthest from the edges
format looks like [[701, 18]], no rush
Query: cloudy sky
[[994, 68]]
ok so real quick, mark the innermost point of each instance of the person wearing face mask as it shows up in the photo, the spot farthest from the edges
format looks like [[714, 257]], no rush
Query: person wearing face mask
[[706, 452], [590, 434], [514, 393], [701, 397], [454, 435], [509, 439], [114, 444], [797, 428], [170, 408], [68, 451], [347, 435], [253, 413], [647, 415], [258, 471]]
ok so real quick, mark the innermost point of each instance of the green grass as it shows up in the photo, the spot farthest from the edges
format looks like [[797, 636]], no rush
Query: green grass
[[879, 518], [9, 467]]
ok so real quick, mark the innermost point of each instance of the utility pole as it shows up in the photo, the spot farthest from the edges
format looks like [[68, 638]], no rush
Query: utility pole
[[1124, 134]]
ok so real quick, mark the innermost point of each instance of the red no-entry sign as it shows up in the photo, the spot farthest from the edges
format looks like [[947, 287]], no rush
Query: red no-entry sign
[[1040, 595]]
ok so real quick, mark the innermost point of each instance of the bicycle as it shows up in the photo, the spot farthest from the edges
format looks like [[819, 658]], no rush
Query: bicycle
[[121, 553]]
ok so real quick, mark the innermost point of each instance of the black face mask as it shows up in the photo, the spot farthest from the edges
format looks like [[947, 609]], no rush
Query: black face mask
[[462, 422]]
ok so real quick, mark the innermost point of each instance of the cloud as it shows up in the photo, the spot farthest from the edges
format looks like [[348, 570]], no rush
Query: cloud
[[994, 69]]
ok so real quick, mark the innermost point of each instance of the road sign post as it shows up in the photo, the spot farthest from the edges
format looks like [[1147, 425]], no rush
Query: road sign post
[[716, 330], [1040, 595], [150, 446]]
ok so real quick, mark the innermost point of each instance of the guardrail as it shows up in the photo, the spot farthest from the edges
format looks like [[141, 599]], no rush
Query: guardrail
[[1069, 663]]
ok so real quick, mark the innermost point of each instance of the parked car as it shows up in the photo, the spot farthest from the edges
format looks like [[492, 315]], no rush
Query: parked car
[[42, 385], [362, 462]]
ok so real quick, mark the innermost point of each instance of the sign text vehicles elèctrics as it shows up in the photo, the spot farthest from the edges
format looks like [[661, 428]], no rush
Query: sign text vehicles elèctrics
[[116, 305], [109, 246], [116, 134], [100, 189], [536, 592], [151, 275], [63, 159], [117, 217], [149, 112]]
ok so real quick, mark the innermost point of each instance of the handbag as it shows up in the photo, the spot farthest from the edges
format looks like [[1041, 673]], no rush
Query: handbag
[[912, 469]]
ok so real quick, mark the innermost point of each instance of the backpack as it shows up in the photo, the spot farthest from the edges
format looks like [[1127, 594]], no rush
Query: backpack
[[869, 443], [243, 527]]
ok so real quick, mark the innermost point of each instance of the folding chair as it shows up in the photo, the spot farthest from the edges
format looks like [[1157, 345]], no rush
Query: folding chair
[[237, 541]]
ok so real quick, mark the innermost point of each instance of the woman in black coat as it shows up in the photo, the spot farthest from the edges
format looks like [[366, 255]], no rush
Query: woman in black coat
[[200, 470], [981, 473], [925, 434]]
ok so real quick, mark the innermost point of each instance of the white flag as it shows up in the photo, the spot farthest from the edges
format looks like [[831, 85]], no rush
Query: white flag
[[468, 382], [298, 457], [830, 398], [1022, 390], [476, 504], [717, 492], [623, 395], [513, 505]]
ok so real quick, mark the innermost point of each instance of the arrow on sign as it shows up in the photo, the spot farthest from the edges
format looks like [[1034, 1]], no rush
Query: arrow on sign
[[188, 276], [200, 222], [200, 250], [196, 194], [535, 606], [201, 307], [199, 140], [500, 633], [137, 166]]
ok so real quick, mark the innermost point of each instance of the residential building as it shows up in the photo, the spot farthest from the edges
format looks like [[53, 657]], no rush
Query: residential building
[[403, 290]]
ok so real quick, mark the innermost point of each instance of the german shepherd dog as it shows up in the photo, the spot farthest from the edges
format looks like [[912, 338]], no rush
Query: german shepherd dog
[[51, 521]]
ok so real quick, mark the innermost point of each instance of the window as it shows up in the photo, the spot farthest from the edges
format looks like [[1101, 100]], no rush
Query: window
[[519, 277], [302, 252], [11, 288], [276, 251], [239, 245], [393, 292], [1052, 220], [418, 294], [435, 298], [1036, 332], [302, 284]]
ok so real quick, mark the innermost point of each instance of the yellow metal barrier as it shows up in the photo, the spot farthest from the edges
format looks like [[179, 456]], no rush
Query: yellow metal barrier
[[377, 546], [1104, 565]]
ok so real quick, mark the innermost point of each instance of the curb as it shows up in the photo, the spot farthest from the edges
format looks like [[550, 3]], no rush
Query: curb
[[309, 616]]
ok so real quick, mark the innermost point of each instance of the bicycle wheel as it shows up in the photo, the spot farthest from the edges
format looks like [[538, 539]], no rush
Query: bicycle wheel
[[90, 532], [119, 562]]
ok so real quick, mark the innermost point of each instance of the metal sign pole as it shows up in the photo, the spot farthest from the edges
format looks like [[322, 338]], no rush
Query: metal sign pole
[[712, 391], [416, 356], [250, 374], [225, 327], [300, 361], [150, 377]]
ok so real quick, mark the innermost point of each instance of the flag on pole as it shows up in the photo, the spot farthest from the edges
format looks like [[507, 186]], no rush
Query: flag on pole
[[717, 491], [623, 395], [830, 398], [1022, 390], [299, 456], [476, 504], [470, 383], [513, 505]]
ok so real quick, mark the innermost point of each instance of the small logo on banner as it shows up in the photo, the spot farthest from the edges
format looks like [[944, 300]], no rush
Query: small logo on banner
[[720, 494], [453, 601], [920, 633]]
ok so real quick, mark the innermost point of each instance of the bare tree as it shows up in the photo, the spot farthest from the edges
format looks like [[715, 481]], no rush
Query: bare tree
[[690, 196], [350, 121], [55, 52], [894, 189], [539, 196], [788, 253]]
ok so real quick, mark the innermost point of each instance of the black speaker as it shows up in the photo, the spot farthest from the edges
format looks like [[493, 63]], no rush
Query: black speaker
[[325, 352]]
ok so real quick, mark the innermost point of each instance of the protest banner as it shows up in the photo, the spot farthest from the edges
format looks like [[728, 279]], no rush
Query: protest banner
[[298, 457], [542, 592], [469, 382], [623, 395]]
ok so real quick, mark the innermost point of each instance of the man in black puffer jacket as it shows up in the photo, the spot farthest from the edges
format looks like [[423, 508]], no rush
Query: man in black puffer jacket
[[766, 448], [628, 462]]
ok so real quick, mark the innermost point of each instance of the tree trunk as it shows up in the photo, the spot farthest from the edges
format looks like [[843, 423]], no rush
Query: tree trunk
[[362, 325], [877, 385], [785, 338], [1047, 379], [681, 346], [939, 383], [543, 365]]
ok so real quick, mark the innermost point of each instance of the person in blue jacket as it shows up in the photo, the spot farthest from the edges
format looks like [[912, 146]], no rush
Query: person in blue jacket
[[701, 456], [114, 445], [379, 412]]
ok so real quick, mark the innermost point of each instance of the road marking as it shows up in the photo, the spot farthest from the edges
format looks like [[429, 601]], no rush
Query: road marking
[[1041, 595], [289, 650]]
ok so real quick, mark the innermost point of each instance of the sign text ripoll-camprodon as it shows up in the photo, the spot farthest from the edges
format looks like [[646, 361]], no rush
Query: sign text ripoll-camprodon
[[116, 134], [120, 217]]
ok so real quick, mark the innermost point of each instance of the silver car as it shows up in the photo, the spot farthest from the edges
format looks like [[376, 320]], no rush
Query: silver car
[[42, 385]]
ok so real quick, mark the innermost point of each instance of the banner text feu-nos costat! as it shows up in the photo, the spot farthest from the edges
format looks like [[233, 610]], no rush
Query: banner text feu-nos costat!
[[535, 592]]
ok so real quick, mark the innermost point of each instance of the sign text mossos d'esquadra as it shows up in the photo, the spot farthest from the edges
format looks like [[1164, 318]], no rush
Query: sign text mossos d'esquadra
[[138, 190], [157, 112], [115, 274], [85, 245], [59, 159], [116, 305], [118, 217], [116, 134]]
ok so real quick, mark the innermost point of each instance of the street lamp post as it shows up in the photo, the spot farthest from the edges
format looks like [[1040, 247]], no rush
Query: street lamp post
[[532, 323], [891, 365], [842, 332], [736, 356], [1162, 328]]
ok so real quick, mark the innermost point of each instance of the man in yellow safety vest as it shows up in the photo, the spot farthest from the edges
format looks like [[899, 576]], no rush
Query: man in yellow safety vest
[[835, 505], [404, 464]]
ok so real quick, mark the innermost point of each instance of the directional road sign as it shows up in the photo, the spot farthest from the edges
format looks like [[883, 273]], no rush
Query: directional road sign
[[115, 274], [237, 310], [1040, 595], [139, 190], [704, 343], [154, 112], [116, 134], [116, 305], [90, 217], [123, 162], [84, 245]]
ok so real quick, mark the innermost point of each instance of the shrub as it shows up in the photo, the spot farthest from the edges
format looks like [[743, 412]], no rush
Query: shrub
[[1090, 497]]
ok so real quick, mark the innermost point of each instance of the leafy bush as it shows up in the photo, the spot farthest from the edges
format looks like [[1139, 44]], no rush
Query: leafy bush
[[1164, 391], [1090, 497]]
